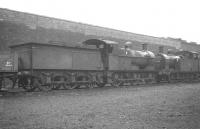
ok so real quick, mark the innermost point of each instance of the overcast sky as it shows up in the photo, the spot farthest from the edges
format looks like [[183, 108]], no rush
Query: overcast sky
[[160, 18]]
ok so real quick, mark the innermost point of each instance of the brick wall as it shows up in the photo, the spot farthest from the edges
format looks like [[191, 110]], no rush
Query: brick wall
[[18, 27], [190, 47]]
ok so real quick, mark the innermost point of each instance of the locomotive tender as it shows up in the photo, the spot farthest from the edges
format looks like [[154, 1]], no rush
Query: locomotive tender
[[95, 63]]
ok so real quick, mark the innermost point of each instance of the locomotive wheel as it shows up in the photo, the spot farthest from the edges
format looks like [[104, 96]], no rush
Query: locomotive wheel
[[115, 80], [70, 86], [28, 88], [58, 82], [83, 80], [101, 84], [133, 82], [56, 86], [26, 83], [46, 87], [116, 83], [62, 81], [30, 83], [7, 83], [37, 84], [92, 85]]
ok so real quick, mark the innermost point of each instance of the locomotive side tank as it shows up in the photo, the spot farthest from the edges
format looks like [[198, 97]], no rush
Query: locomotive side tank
[[127, 58], [131, 66], [132, 60]]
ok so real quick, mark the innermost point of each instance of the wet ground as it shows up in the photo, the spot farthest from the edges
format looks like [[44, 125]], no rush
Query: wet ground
[[174, 106]]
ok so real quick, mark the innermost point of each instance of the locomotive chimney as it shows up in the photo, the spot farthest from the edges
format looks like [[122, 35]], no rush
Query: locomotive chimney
[[144, 47], [161, 49]]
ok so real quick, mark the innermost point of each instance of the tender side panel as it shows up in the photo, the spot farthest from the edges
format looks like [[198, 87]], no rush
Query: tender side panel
[[45, 57], [87, 60], [113, 62]]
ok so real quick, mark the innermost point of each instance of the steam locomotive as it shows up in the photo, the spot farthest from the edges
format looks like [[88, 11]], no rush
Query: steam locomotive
[[94, 63]]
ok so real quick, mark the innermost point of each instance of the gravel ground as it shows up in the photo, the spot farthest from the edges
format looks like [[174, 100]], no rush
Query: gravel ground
[[175, 106]]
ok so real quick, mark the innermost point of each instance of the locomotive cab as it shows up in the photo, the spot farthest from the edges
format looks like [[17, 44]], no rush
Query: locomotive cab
[[105, 47]]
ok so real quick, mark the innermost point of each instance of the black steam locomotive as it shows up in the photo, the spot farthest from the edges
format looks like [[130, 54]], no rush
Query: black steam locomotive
[[94, 63]]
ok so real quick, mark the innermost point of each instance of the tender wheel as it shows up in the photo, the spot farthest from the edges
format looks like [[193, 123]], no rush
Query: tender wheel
[[116, 82], [83, 79], [59, 82], [68, 85], [26, 83]]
